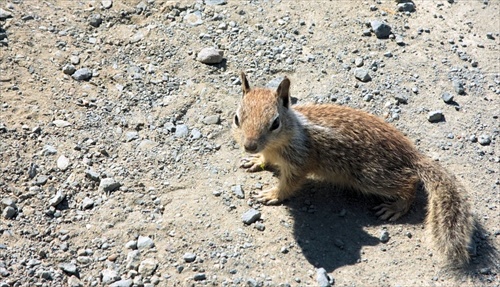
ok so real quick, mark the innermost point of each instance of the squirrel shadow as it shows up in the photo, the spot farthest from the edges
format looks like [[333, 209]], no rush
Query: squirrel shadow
[[329, 222]]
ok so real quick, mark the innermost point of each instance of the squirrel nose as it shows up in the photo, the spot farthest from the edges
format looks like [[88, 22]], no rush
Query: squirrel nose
[[250, 146]]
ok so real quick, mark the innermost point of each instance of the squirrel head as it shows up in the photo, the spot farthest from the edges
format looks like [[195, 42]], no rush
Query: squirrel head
[[258, 122]]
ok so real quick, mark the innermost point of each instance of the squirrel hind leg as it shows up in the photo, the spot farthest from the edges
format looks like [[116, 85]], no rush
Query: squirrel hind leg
[[393, 210]]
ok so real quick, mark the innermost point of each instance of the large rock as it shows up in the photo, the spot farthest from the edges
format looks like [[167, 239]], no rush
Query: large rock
[[381, 29], [210, 56]]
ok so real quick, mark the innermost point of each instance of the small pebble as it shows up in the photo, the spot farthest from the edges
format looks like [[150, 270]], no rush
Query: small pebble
[[144, 242], [362, 75], [69, 268], [384, 236], [109, 185], [199, 277], [83, 74], [447, 97], [250, 216], [210, 56], [95, 20], [238, 191], [62, 163], [322, 278], [69, 69], [435, 116], [189, 257], [459, 87], [484, 139], [381, 29]]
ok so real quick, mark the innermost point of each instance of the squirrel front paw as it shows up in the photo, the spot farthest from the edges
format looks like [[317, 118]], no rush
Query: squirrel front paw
[[268, 196], [253, 164]]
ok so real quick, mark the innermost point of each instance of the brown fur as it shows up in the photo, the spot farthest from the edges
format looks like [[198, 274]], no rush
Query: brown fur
[[352, 149]]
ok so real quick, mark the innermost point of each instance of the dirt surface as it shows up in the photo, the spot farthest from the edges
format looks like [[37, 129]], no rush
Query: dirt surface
[[131, 178]]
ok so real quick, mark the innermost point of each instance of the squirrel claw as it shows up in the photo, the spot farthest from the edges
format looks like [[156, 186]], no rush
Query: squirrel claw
[[388, 211], [267, 197], [253, 164]]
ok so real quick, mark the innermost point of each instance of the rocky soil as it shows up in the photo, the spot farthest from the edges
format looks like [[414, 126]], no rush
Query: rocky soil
[[117, 165]]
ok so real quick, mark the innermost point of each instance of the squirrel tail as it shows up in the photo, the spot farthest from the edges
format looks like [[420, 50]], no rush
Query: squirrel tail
[[448, 219]]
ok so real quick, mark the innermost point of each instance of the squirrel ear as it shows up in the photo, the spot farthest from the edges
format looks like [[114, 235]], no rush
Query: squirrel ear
[[244, 83], [284, 91]]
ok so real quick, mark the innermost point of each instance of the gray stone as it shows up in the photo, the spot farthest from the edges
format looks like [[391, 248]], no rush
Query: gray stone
[[106, 4], [402, 99], [122, 283], [148, 267], [211, 120], [199, 277], [73, 281], [69, 268], [41, 180], [322, 277], [358, 62], [4, 14], [57, 198], [132, 244], [406, 7], [83, 74], [435, 116], [362, 75], [132, 262], [447, 97], [109, 276], [69, 69], [9, 212], [459, 87], [484, 139], [250, 216], [109, 184], [181, 131], [61, 123], [195, 134], [215, 2], [63, 163], [87, 203], [210, 56], [132, 135], [7, 201], [193, 18], [189, 257], [400, 40], [381, 29], [49, 150], [75, 60], [384, 236], [238, 191], [95, 20], [144, 242], [92, 174]]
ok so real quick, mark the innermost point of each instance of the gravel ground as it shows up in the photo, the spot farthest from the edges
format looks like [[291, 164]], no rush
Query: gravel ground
[[118, 167]]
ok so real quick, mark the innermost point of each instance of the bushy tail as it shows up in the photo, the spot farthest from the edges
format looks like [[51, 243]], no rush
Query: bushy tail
[[449, 219]]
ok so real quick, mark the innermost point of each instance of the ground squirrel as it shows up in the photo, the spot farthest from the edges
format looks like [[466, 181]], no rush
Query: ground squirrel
[[351, 149]]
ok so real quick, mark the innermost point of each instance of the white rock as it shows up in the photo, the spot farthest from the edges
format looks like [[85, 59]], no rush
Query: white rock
[[62, 163]]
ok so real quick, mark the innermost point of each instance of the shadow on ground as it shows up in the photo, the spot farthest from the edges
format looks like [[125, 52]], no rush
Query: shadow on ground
[[329, 228], [329, 223]]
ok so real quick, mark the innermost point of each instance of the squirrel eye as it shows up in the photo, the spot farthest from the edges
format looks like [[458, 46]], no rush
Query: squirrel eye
[[236, 120], [275, 124]]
